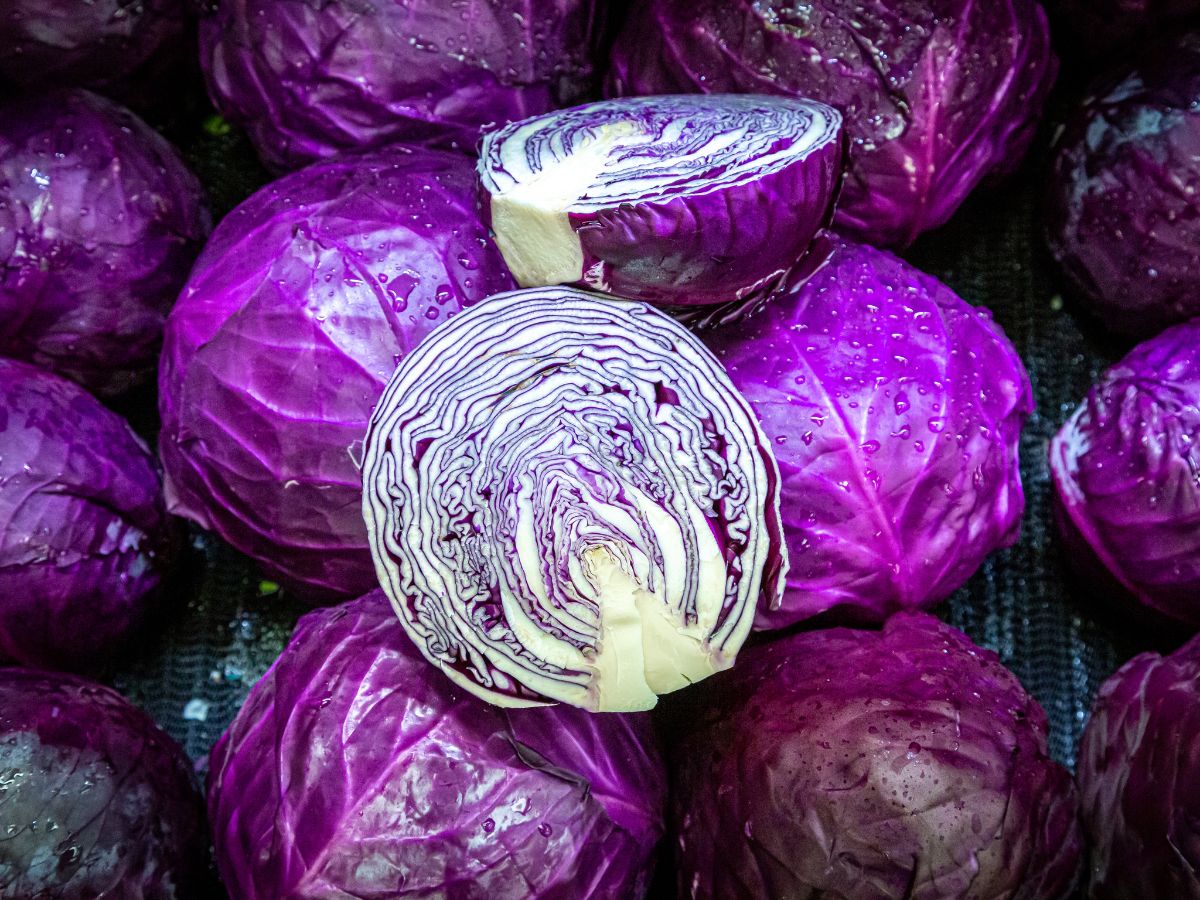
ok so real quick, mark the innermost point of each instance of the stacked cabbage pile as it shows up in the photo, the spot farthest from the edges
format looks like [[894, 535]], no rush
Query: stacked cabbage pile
[[574, 399]]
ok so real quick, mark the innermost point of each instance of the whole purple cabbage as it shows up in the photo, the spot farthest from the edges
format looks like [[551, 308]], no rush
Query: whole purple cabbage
[[903, 764], [300, 307], [1139, 780], [894, 410], [1123, 218], [311, 78], [567, 501], [677, 199], [84, 536], [99, 223], [1124, 468], [95, 800], [357, 769], [52, 43], [936, 95]]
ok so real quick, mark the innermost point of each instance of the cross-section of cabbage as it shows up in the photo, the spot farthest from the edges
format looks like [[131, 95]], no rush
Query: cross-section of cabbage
[[567, 500]]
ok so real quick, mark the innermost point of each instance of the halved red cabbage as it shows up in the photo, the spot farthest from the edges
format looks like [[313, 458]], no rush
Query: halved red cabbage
[[567, 500], [1125, 471], [937, 94], [295, 315], [901, 764], [676, 199], [895, 411], [355, 769]]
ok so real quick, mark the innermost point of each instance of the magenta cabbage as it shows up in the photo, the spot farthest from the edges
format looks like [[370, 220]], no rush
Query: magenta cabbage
[[96, 43], [297, 312], [1123, 214], [1124, 468], [311, 78], [99, 223], [568, 501], [355, 769], [679, 199], [936, 95], [894, 410], [84, 537], [95, 800], [1139, 780], [903, 764]]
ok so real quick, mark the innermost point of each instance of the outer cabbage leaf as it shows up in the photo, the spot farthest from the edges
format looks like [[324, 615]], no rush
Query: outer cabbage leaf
[[568, 501], [99, 223], [1123, 218], [311, 78], [675, 199], [355, 769], [1125, 467], [84, 537], [903, 764], [95, 800], [300, 307], [894, 410], [936, 95], [1139, 779]]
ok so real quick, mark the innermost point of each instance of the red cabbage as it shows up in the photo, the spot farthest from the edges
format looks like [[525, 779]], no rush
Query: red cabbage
[[908, 764], [356, 770], [894, 410], [936, 95], [681, 199], [568, 501], [84, 537], [297, 312]]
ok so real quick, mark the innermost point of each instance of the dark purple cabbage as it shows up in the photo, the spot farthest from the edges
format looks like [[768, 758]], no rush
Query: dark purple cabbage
[[903, 764], [300, 307], [99, 223], [84, 537], [311, 78], [1125, 470], [1123, 209], [94, 43], [1139, 780], [356, 769], [895, 410], [936, 95], [95, 800]]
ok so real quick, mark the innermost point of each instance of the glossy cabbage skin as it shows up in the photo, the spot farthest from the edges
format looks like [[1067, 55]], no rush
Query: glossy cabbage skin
[[295, 315], [99, 223], [936, 95], [84, 536], [1123, 214], [97, 43], [355, 768], [906, 763], [311, 78], [895, 411], [1124, 468], [96, 801], [1139, 779]]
